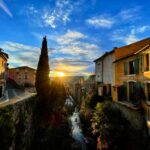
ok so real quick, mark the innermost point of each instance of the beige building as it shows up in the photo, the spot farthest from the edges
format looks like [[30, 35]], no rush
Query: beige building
[[105, 73], [23, 76], [3, 70]]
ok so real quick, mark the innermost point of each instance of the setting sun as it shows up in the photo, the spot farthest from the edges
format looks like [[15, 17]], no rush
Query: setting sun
[[60, 74]]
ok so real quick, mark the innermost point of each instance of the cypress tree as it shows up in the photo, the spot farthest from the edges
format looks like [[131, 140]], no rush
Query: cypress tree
[[42, 83]]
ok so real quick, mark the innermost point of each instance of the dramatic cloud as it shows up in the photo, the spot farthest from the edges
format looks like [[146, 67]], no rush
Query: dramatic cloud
[[69, 37], [61, 13], [20, 54], [71, 44], [108, 20], [75, 55], [142, 29], [13, 46], [70, 66], [129, 14], [73, 62], [129, 35], [101, 21], [58, 14], [5, 8]]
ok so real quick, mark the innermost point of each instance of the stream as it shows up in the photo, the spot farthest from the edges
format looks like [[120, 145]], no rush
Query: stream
[[76, 129]]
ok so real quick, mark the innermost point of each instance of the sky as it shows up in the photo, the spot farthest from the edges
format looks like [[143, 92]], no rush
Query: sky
[[78, 31]]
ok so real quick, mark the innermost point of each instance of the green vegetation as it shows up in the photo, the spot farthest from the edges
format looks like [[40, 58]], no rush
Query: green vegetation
[[114, 127], [15, 121], [6, 127], [42, 83], [40, 122]]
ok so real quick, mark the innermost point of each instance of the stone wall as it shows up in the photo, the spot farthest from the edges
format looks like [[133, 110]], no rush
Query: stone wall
[[16, 130]]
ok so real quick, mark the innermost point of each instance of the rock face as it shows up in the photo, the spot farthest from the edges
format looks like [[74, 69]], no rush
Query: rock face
[[16, 130]]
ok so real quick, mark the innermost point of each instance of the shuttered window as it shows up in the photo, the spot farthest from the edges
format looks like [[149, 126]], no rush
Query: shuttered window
[[134, 66]]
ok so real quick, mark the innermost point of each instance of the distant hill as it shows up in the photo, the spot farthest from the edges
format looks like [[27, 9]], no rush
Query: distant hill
[[69, 79]]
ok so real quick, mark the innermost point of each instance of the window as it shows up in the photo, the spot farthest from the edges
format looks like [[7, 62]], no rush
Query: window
[[134, 67], [132, 91]]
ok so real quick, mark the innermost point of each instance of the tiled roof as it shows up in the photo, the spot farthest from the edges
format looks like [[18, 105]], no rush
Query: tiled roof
[[23, 67], [5, 55], [130, 49]]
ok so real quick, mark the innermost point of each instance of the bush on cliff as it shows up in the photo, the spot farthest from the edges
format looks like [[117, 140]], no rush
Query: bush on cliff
[[118, 127]]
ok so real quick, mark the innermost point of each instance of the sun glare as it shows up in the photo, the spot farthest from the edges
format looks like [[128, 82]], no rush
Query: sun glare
[[60, 74]]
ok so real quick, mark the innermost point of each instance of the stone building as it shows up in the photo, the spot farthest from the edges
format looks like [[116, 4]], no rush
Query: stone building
[[3, 71], [23, 76], [105, 73]]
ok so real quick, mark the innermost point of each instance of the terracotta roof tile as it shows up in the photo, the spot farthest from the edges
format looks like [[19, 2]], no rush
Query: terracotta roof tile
[[130, 49]]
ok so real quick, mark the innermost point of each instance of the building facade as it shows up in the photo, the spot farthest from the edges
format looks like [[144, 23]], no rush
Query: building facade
[[132, 75], [105, 73], [3, 72], [131, 70], [23, 76]]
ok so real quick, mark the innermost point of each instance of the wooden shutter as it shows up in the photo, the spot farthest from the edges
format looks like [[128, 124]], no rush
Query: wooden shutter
[[125, 90], [136, 66], [142, 63], [125, 68]]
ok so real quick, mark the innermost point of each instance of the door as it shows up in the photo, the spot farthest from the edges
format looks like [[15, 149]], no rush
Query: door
[[1, 91], [132, 91]]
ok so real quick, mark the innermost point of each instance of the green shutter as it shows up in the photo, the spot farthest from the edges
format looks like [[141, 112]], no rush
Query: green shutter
[[142, 91], [142, 63], [125, 68], [136, 66], [137, 86], [125, 90]]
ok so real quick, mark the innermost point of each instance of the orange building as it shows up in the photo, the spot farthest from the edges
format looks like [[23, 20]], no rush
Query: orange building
[[3, 70], [131, 65], [23, 76], [132, 75]]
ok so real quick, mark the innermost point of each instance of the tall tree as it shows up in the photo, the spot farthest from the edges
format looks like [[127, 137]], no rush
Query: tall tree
[[42, 83]]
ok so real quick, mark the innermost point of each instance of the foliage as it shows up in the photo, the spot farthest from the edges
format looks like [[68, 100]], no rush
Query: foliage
[[57, 93], [42, 83], [94, 100], [6, 127], [15, 121], [53, 138], [116, 130]]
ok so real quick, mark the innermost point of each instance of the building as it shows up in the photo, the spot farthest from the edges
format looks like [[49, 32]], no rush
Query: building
[[3, 72], [23, 76], [105, 73], [131, 70], [132, 75]]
